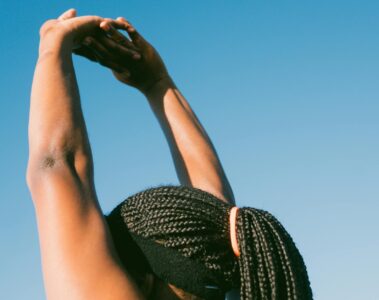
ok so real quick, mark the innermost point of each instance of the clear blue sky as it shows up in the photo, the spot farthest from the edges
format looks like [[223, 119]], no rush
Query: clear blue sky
[[288, 91]]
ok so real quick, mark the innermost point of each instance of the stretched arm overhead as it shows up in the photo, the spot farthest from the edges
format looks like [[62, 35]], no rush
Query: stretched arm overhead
[[195, 158], [78, 259], [194, 155]]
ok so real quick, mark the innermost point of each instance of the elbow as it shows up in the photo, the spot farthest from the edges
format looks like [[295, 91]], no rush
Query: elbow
[[42, 164]]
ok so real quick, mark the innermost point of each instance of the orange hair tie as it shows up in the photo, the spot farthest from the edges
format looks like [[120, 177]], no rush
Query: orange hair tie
[[233, 230]]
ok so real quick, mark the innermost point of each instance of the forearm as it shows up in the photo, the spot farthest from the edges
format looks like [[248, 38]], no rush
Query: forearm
[[56, 125], [195, 158]]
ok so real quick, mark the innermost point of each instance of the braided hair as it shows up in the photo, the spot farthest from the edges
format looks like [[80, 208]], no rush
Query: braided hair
[[193, 226]]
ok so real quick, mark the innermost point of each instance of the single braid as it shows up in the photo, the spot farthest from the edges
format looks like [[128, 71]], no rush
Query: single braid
[[196, 225]]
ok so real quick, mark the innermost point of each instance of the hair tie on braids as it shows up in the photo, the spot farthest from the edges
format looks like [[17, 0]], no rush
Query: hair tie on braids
[[183, 236], [233, 230]]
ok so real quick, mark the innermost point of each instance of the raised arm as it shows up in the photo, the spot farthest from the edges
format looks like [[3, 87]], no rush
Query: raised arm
[[78, 259], [194, 155], [195, 158]]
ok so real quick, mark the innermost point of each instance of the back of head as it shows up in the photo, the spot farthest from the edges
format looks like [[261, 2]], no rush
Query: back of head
[[176, 232]]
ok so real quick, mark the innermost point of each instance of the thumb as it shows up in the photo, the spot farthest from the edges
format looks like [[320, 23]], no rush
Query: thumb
[[82, 26], [68, 14]]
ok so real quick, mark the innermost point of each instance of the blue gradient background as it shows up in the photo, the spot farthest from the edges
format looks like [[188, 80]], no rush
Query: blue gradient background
[[288, 91]]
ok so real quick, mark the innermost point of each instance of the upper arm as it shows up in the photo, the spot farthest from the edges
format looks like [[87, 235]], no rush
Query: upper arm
[[78, 258]]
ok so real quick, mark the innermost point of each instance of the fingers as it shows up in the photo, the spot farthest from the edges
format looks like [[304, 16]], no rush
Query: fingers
[[112, 32], [115, 35], [84, 24], [85, 52], [122, 23], [97, 48], [68, 14], [134, 35], [101, 54], [123, 51]]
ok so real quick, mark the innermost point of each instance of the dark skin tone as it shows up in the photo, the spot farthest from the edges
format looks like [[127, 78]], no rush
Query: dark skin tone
[[73, 234], [75, 244], [135, 62]]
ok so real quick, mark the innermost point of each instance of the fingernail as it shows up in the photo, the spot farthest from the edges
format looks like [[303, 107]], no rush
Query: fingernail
[[136, 56]]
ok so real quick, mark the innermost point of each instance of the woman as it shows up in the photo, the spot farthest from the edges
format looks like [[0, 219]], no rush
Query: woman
[[186, 242]]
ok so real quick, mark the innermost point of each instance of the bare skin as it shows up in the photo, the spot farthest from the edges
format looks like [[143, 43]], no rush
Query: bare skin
[[78, 259], [76, 247], [195, 158]]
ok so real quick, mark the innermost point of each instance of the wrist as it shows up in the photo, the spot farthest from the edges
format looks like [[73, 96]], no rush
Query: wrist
[[159, 88], [55, 41], [56, 46]]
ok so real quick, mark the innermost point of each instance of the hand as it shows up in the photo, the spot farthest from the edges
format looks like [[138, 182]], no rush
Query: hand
[[68, 30], [133, 61]]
